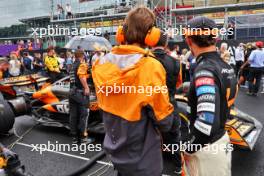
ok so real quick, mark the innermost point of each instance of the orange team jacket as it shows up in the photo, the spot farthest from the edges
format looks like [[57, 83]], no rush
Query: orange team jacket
[[131, 90]]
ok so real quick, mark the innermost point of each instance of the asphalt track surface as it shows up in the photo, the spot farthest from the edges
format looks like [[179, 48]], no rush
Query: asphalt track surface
[[52, 163]]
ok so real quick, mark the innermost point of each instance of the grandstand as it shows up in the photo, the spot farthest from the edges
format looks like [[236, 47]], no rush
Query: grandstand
[[246, 16], [247, 19], [206, 3]]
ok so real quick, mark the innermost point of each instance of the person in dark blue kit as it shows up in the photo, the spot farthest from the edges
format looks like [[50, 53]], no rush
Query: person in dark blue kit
[[256, 61], [192, 62], [27, 63], [38, 64]]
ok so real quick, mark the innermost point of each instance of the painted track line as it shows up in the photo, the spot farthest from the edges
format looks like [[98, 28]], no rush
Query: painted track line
[[67, 154], [62, 153]]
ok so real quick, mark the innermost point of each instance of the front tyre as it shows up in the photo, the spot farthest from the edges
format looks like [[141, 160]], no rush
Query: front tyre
[[7, 116]]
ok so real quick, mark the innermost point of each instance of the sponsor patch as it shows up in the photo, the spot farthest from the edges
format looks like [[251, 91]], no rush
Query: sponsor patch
[[203, 73], [227, 71], [206, 98], [206, 107], [205, 90], [204, 81], [206, 117], [204, 128]]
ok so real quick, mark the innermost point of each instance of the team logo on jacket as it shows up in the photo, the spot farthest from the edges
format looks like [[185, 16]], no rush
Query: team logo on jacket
[[228, 71], [206, 98], [210, 107], [204, 81], [205, 90], [204, 128], [203, 73], [206, 117]]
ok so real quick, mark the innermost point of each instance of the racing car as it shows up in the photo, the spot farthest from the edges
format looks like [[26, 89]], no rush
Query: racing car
[[49, 105], [13, 100], [242, 128]]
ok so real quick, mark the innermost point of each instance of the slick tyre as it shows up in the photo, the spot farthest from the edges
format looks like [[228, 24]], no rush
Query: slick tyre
[[7, 117]]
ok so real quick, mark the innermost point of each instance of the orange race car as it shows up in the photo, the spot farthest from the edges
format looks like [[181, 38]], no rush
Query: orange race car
[[47, 103], [242, 128]]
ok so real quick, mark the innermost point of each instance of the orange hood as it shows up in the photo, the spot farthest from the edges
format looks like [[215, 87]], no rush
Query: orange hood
[[121, 79], [120, 67]]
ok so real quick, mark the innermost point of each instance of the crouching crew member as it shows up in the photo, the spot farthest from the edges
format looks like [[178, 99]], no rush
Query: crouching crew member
[[212, 93], [172, 68], [132, 93], [79, 99]]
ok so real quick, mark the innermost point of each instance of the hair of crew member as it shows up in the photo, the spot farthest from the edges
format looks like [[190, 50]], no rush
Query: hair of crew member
[[212, 93], [172, 68], [79, 99], [132, 119]]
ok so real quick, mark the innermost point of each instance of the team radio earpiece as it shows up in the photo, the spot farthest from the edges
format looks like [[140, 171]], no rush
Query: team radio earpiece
[[152, 38]]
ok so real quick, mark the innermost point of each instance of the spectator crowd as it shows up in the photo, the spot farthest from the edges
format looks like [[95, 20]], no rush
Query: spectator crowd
[[48, 63], [64, 12], [248, 63]]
